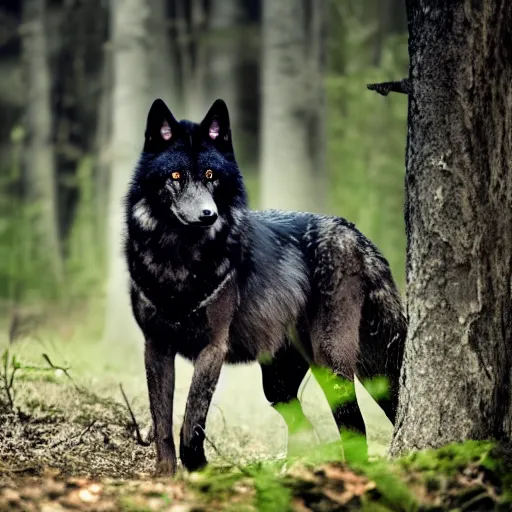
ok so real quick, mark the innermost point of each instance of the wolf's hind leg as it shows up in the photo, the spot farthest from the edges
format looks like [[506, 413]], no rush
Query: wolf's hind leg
[[342, 400], [282, 377], [334, 334]]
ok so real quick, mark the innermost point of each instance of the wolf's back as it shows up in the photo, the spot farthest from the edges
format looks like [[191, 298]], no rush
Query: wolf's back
[[334, 251]]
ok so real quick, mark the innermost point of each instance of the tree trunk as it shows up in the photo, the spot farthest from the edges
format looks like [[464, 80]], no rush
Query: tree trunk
[[223, 57], [457, 368], [39, 157], [163, 67], [130, 104], [102, 146], [190, 19], [293, 113]]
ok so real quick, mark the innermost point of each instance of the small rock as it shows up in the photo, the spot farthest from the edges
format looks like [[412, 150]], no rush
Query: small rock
[[95, 488], [159, 487], [11, 496], [54, 489], [51, 507], [180, 507], [31, 493], [87, 496], [105, 506], [71, 500], [155, 504]]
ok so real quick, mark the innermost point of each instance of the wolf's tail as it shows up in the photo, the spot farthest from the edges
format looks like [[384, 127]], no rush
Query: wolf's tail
[[383, 330]]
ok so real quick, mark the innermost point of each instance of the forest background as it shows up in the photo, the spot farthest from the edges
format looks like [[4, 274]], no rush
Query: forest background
[[77, 80]]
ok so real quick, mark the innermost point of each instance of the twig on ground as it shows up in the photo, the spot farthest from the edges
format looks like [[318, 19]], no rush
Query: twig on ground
[[9, 379], [224, 422], [80, 435], [86, 429], [134, 421], [403, 86], [222, 456], [24, 469], [62, 369]]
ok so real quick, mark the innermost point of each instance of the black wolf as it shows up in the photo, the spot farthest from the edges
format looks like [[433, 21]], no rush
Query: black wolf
[[218, 283]]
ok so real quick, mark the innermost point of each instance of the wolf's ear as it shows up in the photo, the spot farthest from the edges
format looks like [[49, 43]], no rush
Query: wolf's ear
[[216, 126], [161, 127]]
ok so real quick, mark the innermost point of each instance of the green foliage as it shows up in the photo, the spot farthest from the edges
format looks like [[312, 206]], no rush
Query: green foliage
[[392, 490], [85, 261], [271, 495], [337, 390], [450, 459], [378, 387], [24, 267], [366, 152], [221, 484], [10, 366]]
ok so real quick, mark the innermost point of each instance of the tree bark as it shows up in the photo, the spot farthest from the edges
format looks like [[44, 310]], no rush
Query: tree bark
[[293, 111], [190, 20], [130, 104], [163, 66], [457, 370], [102, 146], [223, 57], [39, 156]]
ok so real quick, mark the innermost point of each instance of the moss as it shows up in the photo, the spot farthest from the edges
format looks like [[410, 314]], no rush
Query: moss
[[129, 504], [271, 494], [449, 459], [371, 505], [391, 491], [215, 483]]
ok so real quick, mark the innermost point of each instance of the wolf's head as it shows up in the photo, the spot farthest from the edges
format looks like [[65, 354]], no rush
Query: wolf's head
[[187, 174]]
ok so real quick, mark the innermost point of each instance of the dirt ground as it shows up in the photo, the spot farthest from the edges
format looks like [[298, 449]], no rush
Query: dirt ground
[[241, 423], [67, 442]]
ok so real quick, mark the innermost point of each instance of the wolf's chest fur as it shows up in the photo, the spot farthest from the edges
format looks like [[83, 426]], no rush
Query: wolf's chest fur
[[174, 283], [179, 274]]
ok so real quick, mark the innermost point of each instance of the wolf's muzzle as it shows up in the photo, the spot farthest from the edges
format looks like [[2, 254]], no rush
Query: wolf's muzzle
[[207, 218]]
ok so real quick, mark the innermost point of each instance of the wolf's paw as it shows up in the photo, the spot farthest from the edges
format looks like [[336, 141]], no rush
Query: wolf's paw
[[165, 467], [192, 448], [193, 457]]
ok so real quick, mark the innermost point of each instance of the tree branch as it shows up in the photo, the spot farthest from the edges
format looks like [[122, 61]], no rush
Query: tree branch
[[62, 369], [140, 441], [384, 88]]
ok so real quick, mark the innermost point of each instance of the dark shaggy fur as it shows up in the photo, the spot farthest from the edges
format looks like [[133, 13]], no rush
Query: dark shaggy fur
[[216, 282]]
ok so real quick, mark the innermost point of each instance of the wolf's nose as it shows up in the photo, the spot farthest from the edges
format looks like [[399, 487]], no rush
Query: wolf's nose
[[208, 217]]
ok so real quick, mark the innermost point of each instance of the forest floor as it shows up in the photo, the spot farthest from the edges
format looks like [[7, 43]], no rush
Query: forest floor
[[68, 442]]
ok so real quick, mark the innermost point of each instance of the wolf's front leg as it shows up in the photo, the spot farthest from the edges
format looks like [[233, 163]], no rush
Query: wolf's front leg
[[159, 360], [204, 381], [207, 369]]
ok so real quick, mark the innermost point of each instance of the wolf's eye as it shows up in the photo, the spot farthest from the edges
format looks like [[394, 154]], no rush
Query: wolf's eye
[[209, 174], [176, 175]]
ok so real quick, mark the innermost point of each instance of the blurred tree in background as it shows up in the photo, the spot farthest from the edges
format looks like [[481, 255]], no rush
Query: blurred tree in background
[[293, 120], [78, 78]]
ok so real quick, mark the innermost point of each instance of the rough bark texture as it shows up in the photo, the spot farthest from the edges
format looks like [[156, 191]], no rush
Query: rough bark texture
[[130, 104], [39, 155], [457, 369], [293, 113]]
